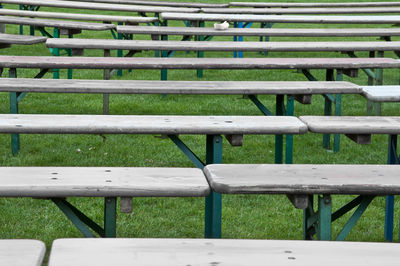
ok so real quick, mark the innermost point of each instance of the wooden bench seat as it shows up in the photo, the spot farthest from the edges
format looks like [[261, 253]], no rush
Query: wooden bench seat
[[20, 39], [76, 16], [157, 3], [334, 19], [301, 182], [281, 32], [334, 46], [385, 93], [61, 24], [45, 62], [17, 252], [156, 252], [178, 87], [100, 6], [313, 4], [311, 10]]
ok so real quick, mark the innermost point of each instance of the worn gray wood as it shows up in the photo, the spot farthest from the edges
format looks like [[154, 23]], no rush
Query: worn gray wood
[[156, 3], [76, 16], [311, 10], [304, 179], [177, 87], [283, 32], [20, 39], [102, 182], [149, 124], [193, 63], [353, 124], [313, 4], [62, 24], [336, 46], [21, 252], [334, 19], [100, 6], [205, 252], [387, 93]]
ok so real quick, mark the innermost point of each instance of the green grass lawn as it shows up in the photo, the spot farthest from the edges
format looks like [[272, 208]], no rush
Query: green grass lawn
[[249, 216]]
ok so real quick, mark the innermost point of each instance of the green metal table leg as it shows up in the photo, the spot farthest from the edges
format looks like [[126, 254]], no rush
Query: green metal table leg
[[338, 111], [370, 83], [15, 142], [324, 217], [308, 228], [69, 51], [110, 217], [289, 137], [213, 202], [379, 81], [119, 52], [56, 52], [200, 54], [328, 110], [279, 110], [164, 72], [389, 208]]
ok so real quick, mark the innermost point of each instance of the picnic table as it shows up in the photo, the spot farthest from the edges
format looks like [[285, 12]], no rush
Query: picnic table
[[343, 65], [360, 129], [213, 127], [222, 251], [17, 252], [302, 182], [380, 94]]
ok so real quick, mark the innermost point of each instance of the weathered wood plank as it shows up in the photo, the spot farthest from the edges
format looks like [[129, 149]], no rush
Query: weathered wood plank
[[313, 4], [334, 19], [20, 39], [177, 87], [304, 179], [193, 63], [156, 3], [336, 46], [353, 124], [283, 32], [16, 252], [313, 10], [76, 16], [155, 252], [386, 93], [100, 6], [63, 24], [102, 182], [131, 124]]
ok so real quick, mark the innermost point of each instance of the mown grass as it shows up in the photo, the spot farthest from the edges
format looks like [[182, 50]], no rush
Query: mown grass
[[244, 216]]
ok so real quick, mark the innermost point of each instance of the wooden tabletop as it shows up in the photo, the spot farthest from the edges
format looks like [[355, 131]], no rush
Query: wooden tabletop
[[20, 39], [177, 87], [283, 32], [219, 251], [335, 19], [313, 4], [76, 16], [19, 252], [100, 6], [143, 124], [62, 24], [353, 124], [311, 10], [385, 93], [156, 3], [303, 179], [102, 182], [65, 62], [340, 46]]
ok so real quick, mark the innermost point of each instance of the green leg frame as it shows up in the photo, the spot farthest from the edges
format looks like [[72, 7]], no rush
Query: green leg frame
[[392, 158], [320, 222], [213, 202], [84, 223]]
